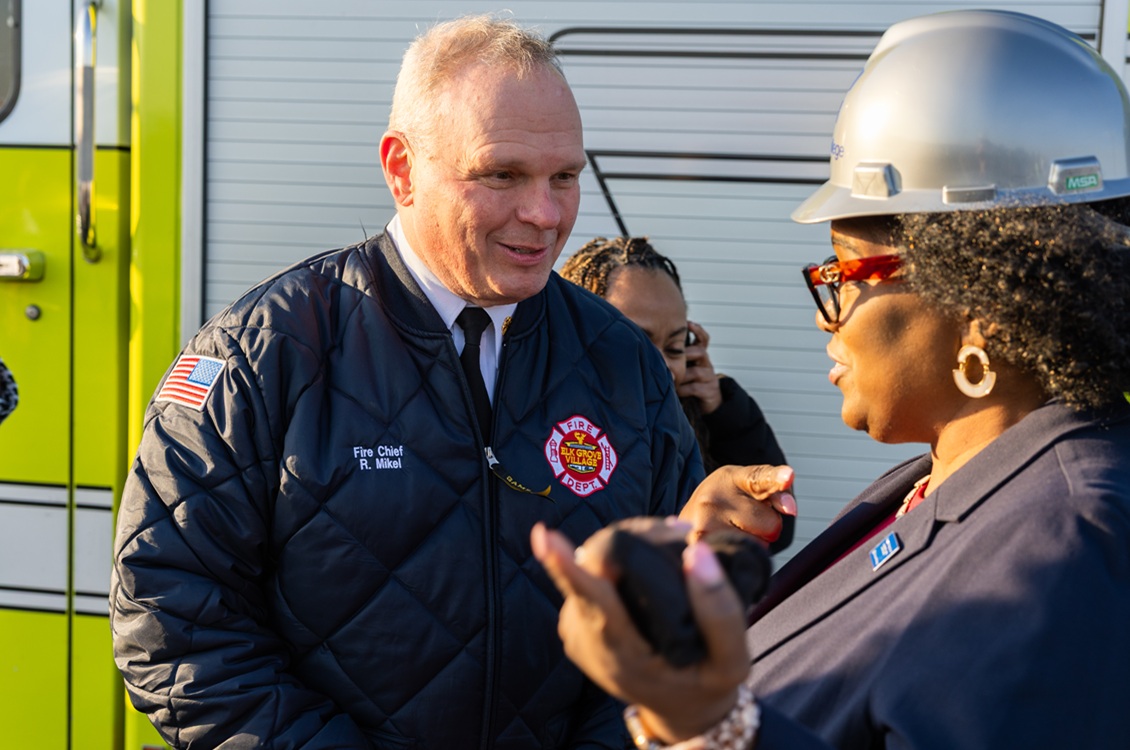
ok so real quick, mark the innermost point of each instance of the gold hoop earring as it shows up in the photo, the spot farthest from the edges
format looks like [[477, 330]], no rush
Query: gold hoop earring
[[988, 377]]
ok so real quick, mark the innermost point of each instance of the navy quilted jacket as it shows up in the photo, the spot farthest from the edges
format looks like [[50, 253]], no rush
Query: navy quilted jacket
[[311, 552]]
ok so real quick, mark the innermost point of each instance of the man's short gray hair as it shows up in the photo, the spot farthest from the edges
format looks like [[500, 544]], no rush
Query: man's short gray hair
[[439, 53]]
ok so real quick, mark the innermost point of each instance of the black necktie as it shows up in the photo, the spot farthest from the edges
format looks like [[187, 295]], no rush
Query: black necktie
[[473, 321]]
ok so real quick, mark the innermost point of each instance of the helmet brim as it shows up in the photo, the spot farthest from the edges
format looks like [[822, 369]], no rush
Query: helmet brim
[[832, 201]]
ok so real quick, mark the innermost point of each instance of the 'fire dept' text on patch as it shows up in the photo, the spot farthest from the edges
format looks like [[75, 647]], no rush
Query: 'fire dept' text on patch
[[192, 379], [581, 456]]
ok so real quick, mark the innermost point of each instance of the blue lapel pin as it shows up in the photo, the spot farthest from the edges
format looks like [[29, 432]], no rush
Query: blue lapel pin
[[884, 550]]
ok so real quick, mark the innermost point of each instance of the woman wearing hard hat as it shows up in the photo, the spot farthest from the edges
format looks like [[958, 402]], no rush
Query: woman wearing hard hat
[[979, 302]]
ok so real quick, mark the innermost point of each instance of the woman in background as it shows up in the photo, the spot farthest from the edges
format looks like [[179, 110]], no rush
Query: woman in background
[[645, 286]]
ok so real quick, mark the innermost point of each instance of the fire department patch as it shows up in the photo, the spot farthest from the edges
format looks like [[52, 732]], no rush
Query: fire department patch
[[580, 456], [192, 379]]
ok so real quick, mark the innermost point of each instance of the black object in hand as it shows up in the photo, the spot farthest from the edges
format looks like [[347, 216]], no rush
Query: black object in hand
[[654, 591]]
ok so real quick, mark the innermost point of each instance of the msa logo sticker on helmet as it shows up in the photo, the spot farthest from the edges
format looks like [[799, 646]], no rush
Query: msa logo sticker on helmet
[[192, 379], [1075, 175], [1082, 182], [580, 456]]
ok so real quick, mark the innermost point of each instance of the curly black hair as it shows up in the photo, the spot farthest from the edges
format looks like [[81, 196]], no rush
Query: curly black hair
[[1050, 284]]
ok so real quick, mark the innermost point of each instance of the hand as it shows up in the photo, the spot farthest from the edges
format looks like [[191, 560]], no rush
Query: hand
[[700, 381], [749, 498], [599, 637]]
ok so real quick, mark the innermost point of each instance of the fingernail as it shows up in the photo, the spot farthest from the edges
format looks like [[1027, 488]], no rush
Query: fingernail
[[701, 563], [675, 523], [787, 504], [784, 475]]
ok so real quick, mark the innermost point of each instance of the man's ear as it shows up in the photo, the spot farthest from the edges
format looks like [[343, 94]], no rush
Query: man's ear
[[396, 162]]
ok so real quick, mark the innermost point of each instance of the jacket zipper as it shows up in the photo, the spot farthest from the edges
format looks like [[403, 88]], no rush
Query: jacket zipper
[[490, 540]]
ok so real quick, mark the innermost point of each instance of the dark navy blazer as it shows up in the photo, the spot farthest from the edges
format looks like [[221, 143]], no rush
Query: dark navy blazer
[[998, 615]]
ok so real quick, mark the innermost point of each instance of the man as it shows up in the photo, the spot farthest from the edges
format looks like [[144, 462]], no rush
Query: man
[[318, 545]]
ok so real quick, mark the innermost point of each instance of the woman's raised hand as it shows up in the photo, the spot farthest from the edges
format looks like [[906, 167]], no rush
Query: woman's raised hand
[[600, 638]]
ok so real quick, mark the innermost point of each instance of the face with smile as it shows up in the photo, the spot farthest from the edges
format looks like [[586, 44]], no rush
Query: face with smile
[[651, 299], [892, 355], [489, 203]]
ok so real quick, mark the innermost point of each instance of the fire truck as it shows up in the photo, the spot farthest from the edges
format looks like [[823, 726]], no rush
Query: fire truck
[[157, 157]]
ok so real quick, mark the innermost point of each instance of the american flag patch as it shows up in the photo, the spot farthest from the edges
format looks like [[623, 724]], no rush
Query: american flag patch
[[191, 380]]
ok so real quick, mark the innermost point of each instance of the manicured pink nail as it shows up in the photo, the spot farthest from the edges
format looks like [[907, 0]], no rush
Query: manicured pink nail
[[700, 561], [784, 476], [786, 504]]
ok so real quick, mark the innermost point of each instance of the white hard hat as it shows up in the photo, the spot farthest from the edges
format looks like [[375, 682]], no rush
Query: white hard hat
[[974, 109]]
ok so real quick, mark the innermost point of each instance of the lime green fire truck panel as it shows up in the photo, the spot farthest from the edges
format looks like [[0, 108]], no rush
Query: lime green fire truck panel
[[33, 679], [101, 332], [35, 221], [64, 331], [56, 516], [97, 704]]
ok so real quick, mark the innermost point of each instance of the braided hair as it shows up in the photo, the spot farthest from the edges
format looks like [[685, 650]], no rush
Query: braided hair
[[592, 265]]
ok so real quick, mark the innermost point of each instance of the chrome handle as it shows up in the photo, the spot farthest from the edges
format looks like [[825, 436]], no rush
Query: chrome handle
[[21, 265], [84, 128]]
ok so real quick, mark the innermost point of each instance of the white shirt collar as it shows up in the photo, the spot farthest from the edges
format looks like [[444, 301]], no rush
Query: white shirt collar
[[448, 304]]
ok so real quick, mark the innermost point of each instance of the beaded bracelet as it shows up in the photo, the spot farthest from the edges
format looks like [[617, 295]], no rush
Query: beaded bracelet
[[734, 732]]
